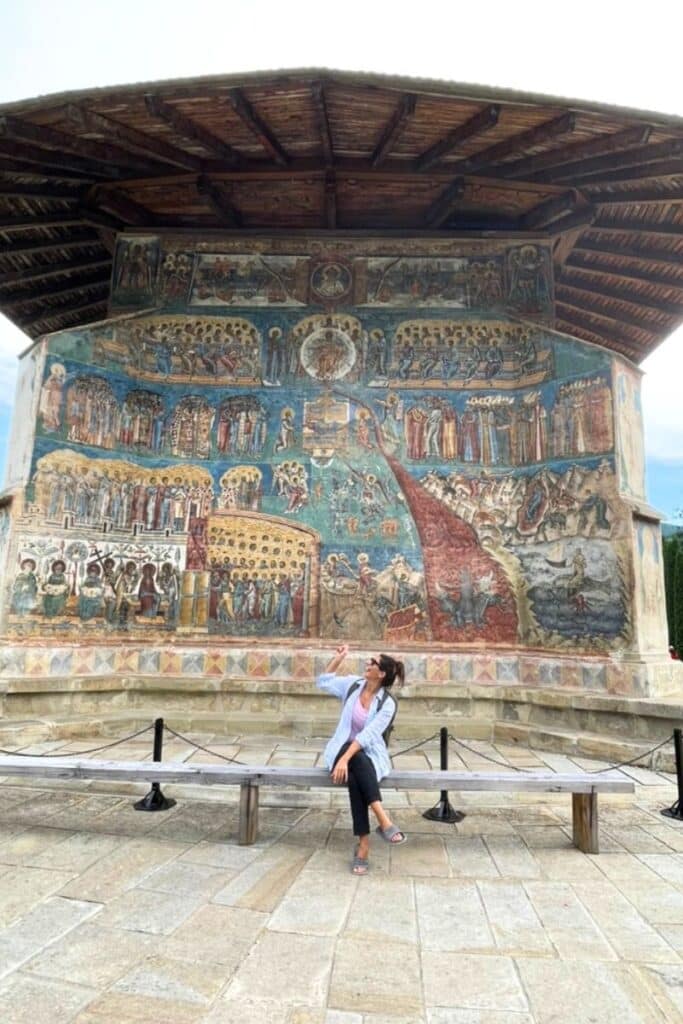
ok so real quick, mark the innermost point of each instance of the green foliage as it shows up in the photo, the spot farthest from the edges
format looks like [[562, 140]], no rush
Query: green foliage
[[673, 582]]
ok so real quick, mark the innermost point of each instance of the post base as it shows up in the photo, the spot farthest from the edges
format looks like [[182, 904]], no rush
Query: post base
[[154, 800], [442, 811]]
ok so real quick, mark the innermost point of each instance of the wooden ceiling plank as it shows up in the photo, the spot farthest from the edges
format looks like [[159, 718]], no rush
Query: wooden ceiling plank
[[549, 210], [60, 309], [323, 122], [561, 125], [190, 129], [613, 161], [573, 151], [70, 287], [52, 245], [101, 153], [122, 206], [578, 329], [45, 272], [577, 314], [443, 206], [33, 222], [640, 172], [99, 219], [480, 122], [331, 200], [639, 227], [257, 125], [10, 167], [618, 316], [90, 120], [47, 193], [49, 159], [579, 261], [644, 196], [646, 256], [568, 277], [220, 203], [394, 128], [581, 218]]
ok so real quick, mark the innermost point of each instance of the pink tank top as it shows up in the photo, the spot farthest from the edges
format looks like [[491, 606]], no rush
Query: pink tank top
[[359, 717]]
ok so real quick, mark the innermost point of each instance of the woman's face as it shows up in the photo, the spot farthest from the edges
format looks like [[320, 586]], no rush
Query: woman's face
[[373, 673]]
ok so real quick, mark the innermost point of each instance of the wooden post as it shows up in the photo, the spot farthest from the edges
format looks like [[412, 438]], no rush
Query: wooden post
[[585, 822], [248, 827]]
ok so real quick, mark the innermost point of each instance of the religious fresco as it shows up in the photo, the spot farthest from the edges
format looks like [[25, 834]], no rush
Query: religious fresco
[[649, 589], [357, 447], [629, 416]]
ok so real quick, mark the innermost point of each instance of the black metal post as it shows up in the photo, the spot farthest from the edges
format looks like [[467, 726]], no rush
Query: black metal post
[[442, 811], [155, 799], [676, 810]]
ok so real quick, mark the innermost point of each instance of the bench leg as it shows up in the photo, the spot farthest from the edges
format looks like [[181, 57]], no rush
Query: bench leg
[[585, 822], [248, 827]]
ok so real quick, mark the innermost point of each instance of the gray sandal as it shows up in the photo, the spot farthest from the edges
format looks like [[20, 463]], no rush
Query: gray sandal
[[388, 835], [359, 865]]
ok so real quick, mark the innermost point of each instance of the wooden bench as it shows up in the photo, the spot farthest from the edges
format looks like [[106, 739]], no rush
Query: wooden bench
[[583, 787]]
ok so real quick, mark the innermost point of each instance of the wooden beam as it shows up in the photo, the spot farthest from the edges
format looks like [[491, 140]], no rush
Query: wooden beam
[[45, 272], [574, 151], [12, 190], [63, 309], [75, 241], [9, 166], [123, 207], [647, 256], [549, 210], [577, 314], [90, 120], [480, 122], [566, 294], [71, 287], [189, 129], [532, 137], [640, 172], [643, 196], [579, 261], [323, 122], [100, 153], [581, 218], [568, 277], [220, 203], [394, 128], [331, 200], [31, 154], [629, 227], [442, 207], [257, 125], [100, 219], [32, 222], [613, 161]]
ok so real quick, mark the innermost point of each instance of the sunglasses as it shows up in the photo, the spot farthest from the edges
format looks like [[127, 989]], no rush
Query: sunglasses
[[374, 661]]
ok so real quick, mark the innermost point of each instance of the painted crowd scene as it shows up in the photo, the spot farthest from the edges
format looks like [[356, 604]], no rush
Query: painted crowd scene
[[341, 445]]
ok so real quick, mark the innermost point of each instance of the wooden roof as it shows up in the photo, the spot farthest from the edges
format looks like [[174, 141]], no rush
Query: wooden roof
[[319, 151]]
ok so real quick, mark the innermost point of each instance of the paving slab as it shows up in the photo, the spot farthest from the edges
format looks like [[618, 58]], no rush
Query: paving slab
[[468, 982], [371, 984]]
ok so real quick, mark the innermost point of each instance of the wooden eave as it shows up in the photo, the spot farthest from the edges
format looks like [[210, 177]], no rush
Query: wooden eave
[[318, 151]]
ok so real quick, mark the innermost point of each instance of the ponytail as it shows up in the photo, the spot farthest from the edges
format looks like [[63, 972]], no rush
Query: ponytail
[[393, 670]]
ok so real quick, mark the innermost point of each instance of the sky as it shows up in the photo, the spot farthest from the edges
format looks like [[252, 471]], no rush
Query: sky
[[623, 54]]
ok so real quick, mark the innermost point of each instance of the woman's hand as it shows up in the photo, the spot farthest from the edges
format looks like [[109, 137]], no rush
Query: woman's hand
[[340, 772], [342, 651], [338, 657]]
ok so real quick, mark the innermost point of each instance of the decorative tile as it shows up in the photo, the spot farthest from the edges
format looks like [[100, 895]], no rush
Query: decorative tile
[[507, 670], [104, 660], [37, 662], [438, 670], [594, 677], [484, 670], [302, 665], [214, 663], [126, 661], [12, 662], [192, 664], [462, 668], [258, 664], [236, 663], [170, 663], [549, 673], [529, 671], [280, 665]]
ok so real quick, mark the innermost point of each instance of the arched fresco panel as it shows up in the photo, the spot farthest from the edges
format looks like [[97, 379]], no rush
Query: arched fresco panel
[[363, 446]]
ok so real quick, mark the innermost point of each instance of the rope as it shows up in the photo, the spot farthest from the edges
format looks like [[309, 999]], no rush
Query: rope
[[92, 750], [477, 753], [198, 746], [625, 764], [406, 750]]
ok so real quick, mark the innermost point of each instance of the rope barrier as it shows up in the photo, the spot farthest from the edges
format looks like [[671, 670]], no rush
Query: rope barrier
[[625, 764], [420, 743], [198, 746], [477, 753], [92, 750]]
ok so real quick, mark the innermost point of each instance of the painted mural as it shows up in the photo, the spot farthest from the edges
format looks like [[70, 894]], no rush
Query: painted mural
[[347, 445]]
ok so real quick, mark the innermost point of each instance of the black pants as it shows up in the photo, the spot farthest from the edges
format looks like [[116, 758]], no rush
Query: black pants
[[363, 788]]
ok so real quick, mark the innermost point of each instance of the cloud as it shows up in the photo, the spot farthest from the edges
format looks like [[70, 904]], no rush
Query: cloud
[[662, 404], [12, 342]]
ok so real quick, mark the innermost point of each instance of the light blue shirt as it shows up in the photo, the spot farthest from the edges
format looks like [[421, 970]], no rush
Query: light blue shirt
[[370, 738]]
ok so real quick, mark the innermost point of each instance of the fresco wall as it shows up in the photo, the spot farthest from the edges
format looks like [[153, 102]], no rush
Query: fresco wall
[[353, 441]]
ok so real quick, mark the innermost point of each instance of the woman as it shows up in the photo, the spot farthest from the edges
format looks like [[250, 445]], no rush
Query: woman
[[357, 753]]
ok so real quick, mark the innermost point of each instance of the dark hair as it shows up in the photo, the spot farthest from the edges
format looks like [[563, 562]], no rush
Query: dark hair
[[392, 669]]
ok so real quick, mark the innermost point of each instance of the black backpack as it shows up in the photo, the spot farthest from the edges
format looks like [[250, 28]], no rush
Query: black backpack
[[386, 735]]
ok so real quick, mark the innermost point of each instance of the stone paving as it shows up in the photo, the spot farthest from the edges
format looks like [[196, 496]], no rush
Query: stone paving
[[109, 916]]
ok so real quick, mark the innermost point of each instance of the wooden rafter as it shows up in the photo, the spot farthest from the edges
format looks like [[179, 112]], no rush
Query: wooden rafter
[[258, 126], [99, 219], [578, 260], [220, 203], [640, 156], [190, 129], [549, 210], [13, 190], [630, 227], [331, 200], [123, 207], [54, 161], [646, 256], [90, 120], [582, 328], [102, 153], [580, 218], [566, 294], [672, 168], [579, 315], [46, 271], [63, 309], [394, 128], [77, 240], [443, 206], [71, 287], [478, 123], [561, 125], [571, 280], [644, 196], [575, 151], [33, 222], [9, 166], [323, 122]]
